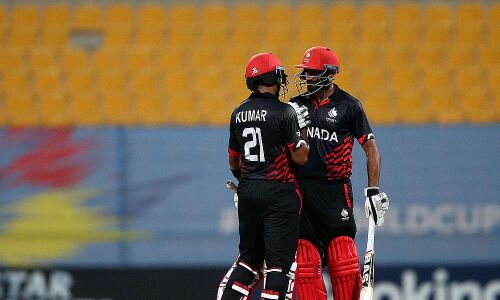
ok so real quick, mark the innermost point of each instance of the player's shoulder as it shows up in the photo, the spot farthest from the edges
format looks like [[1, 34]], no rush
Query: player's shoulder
[[343, 95]]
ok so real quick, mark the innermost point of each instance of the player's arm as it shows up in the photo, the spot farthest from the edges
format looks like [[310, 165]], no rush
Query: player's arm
[[372, 162], [300, 154], [234, 165], [234, 151]]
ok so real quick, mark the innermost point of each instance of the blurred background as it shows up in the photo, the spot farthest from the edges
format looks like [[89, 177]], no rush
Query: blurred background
[[113, 140]]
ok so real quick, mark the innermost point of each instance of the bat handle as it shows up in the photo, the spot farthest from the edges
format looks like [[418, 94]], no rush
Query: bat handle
[[371, 234]]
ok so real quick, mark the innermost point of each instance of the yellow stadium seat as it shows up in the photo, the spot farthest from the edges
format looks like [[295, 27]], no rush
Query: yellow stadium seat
[[235, 58], [373, 12], [496, 105], [428, 55], [374, 22], [311, 13], [12, 58], [411, 107], [177, 80], [20, 108], [214, 108], [407, 12], [150, 108], [47, 79], [444, 105], [172, 57], [277, 13], [152, 15], [372, 78], [395, 55], [345, 79], [183, 35], [476, 106], [3, 16], [438, 22], [344, 12], [56, 15], [213, 36], [308, 35], [108, 58], [364, 55], [146, 80], [53, 109], [150, 36], [74, 58], [246, 34], [494, 78], [117, 35], [379, 106], [406, 33], [85, 108], [15, 79], [55, 36], [88, 17], [209, 80], [112, 80], [470, 12], [182, 14], [404, 79], [375, 33], [120, 14], [436, 78], [215, 15], [3, 110], [43, 57], [23, 36], [25, 14], [182, 108], [206, 57], [459, 56], [117, 108], [489, 55], [139, 57], [342, 34], [246, 13], [470, 76], [81, 79]]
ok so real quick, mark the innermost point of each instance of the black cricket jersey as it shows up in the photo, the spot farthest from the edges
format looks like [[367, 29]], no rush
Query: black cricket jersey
[[335, 122], [262, 129]]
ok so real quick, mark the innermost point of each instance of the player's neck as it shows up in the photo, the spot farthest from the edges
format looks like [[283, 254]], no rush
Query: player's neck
[[322, 95], [262, 89]]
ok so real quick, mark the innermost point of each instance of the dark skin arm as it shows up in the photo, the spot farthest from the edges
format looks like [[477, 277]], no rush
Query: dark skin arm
[[372, 162], [234, 162], [300, 155]]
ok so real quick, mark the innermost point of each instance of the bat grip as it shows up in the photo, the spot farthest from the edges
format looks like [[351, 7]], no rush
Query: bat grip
[[371, 234]]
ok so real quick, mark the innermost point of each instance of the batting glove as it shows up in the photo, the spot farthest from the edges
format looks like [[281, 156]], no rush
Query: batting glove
[[376, 204], [302, 114], [235, 200]]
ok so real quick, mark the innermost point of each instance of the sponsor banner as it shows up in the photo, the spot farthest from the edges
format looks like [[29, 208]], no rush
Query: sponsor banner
[[157, 196], [479, 282]]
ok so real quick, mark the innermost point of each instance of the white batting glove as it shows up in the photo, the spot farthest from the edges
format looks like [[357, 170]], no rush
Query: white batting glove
[[235, 200], [376, 204], [302, 114]]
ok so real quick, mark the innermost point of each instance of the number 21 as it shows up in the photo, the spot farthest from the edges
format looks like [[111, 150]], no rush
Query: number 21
[[256, 134]]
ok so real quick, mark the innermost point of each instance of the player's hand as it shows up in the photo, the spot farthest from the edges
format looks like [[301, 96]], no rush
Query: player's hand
[[235, 200], [302, 114], [376, 204]]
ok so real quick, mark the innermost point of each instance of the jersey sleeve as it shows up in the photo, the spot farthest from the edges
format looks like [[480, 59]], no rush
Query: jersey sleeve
[[234, 146], [359, 126], [291, 131]]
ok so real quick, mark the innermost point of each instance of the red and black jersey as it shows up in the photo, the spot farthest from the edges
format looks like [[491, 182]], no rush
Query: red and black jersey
[[262, 130], [335, 123]]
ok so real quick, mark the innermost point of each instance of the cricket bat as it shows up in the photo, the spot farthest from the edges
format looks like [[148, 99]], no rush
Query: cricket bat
[[369, 264]]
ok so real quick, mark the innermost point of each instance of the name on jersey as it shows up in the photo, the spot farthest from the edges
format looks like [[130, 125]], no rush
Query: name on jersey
[[251, 115], [323, 134]]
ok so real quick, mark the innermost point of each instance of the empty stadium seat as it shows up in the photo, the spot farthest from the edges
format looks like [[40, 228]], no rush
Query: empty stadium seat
[[435, 78], [444, 105], [152, 15], [120, 14], [23, 35], [477, 106], [117, 108], [73, 59], [56, 15], [43, 57], [88, 17], [15, 79], [21, 108], [112, 80], [378, 105], [85, 108], [108, 58], [12, 58], [81, 79], [53, 109], [47, 80], [55, 36], [26, 14], [412, 107], [150, 108], [139, 57], [428, 55], [143, 80]]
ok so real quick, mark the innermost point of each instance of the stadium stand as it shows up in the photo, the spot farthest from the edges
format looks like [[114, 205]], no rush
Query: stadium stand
[[417, 63]]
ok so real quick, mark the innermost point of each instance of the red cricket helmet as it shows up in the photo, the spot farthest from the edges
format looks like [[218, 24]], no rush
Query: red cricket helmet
[[266, 69], [319, 58]]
